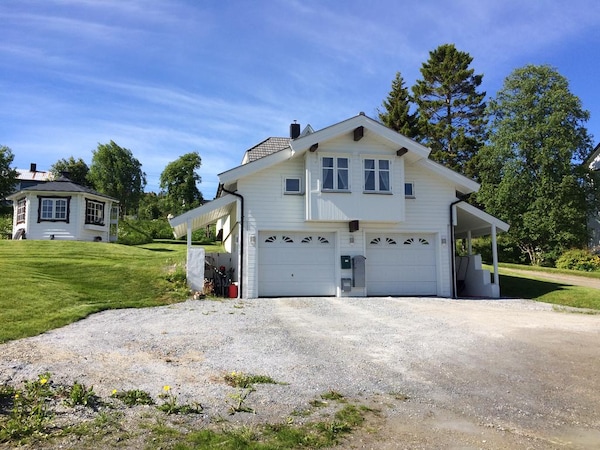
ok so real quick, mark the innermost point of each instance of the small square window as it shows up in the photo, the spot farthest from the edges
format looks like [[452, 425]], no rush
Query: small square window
[[409, 190], [293, 186]]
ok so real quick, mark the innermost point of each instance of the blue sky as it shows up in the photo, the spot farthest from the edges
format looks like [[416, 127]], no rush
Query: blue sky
[[167, 77]]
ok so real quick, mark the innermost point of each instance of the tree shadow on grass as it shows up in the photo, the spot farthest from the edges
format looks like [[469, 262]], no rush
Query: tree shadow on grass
[[518, 287]]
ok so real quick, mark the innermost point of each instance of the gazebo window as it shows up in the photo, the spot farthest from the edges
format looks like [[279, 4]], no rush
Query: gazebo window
[[53, 209], [21, 210], [94, 212]]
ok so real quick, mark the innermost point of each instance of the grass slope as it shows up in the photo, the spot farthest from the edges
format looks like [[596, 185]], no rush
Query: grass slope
[[48, 284]]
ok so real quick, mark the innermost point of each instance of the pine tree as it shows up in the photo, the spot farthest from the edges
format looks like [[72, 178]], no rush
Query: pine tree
[[451, 110], [397, 106]]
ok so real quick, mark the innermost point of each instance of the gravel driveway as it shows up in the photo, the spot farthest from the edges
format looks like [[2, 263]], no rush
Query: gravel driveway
[[477, 373]]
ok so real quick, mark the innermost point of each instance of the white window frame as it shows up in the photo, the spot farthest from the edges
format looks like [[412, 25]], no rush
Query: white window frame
[[412, 189], [21, 210], [377, 173], [336, 172], [94, 212], [54, 209], [287, 191]]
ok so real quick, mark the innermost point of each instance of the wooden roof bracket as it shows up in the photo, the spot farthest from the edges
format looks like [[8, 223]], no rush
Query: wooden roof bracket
[[313, 148], [359, 132], [403, 151]]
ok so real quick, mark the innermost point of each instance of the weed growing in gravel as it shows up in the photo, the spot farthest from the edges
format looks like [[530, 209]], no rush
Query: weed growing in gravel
[[242, 380], [29, 414], [245, 385], [237, 399], [170, 405], [133, 397], [80, 395]]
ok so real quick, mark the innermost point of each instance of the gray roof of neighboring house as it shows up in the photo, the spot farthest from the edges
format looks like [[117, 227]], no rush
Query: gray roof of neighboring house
[[63, 184], [267, 147]]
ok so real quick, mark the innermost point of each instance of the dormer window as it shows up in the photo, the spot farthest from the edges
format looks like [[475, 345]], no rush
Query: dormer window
[[335, 174]]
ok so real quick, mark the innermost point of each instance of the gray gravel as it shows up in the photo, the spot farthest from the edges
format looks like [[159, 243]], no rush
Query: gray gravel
[[512, 371]]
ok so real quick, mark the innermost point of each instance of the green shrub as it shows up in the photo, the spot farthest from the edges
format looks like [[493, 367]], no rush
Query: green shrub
[[578, 259], [6, 223]]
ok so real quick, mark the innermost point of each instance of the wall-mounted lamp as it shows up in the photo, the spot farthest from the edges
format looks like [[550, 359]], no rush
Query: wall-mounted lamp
[[253, 239], [351, 240]]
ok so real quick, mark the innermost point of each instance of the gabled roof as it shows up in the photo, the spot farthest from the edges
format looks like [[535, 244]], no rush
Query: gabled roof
[[61, 184], [265, 148], [593, 161], [202, 215], [415, 152]]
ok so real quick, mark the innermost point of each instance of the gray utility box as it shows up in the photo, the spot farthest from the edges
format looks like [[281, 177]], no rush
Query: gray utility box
[[346, 284], [358, 270]]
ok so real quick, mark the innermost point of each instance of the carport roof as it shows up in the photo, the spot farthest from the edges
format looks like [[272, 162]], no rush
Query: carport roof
[[469, 218], [203, 215]]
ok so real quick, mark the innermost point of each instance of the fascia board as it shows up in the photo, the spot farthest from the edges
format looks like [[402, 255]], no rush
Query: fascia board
[[244, 170], [302, 144], [466, 185], [482, 215]]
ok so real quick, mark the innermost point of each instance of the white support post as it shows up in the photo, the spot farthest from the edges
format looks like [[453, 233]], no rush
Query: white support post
[[189, 234], [495, 256], [469, 244]]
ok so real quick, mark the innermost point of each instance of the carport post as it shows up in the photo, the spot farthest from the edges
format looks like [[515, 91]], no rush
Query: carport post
[[189, 233], [495, 255]]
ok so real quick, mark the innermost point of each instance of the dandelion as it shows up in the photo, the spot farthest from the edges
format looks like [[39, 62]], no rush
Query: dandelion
[[114, 392], [43, 381], [166, 388], [16, 395]]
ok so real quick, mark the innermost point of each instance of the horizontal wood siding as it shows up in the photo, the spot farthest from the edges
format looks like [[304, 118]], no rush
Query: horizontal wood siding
[[355, 204]]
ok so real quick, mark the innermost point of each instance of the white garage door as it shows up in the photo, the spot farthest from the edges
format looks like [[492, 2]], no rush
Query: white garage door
[[401, 264], [296, 264]]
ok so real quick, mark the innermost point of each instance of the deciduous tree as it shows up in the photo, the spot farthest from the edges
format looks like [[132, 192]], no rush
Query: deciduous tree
[[76, 169], [531, 171], [451, 110], [8, 175], [114, 171], [179, 181]]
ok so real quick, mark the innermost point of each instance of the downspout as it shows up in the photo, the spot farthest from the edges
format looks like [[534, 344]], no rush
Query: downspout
[[453, 244], [241, 280]]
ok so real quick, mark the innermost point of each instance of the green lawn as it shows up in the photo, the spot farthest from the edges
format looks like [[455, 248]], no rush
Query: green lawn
[[48, 284], [530, 286]]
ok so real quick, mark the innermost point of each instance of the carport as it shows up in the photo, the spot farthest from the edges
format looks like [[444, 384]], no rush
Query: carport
[[469, 222]]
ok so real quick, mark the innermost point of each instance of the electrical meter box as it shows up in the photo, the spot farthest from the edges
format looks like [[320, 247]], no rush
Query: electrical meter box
[[346, 262], [358, 271]]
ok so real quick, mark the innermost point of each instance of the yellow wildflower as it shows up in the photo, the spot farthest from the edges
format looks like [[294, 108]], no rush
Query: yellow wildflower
[[17, 395], [114, 392], [166, 388], [43, 380]]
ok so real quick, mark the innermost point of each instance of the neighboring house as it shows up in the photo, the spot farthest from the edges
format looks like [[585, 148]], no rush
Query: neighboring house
[[27, 178], [593, 163], [354, 209], [61, 209]]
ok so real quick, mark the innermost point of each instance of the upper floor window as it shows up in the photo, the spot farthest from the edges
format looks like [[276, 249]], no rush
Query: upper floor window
[[377, 175], [94, 212], [54, 209], [21, 210], [335, 174], [409, 190]]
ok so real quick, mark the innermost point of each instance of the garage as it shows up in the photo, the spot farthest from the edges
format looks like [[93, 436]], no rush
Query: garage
[[401, 264], [296, 264]]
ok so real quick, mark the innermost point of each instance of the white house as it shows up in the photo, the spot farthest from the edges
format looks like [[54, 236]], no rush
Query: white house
[[593, 163], [354, 209], [61, 209]]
